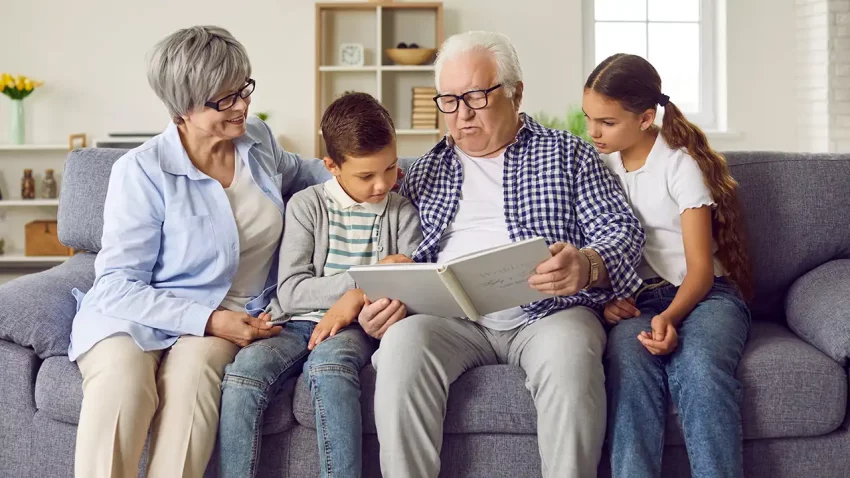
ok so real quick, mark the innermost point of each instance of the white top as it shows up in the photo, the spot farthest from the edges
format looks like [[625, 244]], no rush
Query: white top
[[260, 225], [480, 224], [659, 192]]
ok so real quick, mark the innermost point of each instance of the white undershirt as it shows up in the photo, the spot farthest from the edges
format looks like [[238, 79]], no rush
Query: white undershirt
[[260, 224], [659, 192], [480, 224]]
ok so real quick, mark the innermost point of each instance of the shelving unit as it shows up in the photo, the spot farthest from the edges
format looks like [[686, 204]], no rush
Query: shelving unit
[[15, 212], [377, 26]]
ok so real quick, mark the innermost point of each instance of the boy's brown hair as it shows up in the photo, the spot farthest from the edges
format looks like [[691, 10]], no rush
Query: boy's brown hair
[[356, 125]]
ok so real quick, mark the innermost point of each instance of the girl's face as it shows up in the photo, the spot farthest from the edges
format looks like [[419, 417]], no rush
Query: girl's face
[[610, 126]]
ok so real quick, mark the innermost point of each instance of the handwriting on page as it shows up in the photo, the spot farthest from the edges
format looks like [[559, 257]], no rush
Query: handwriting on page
[[507, 276]]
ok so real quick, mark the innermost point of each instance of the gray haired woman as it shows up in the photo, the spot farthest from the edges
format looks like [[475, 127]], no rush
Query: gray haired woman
[[192, 225]]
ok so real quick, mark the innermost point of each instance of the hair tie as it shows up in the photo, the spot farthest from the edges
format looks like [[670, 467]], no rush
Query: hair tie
[[663, 100]]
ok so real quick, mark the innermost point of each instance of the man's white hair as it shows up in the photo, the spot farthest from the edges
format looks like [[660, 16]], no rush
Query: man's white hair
[[508, 70]]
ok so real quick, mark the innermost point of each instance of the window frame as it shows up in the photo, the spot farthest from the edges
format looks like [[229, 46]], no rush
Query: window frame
[[706, 118]]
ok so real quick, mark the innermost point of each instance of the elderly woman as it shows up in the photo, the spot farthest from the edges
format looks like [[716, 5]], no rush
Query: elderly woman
[[192, 224]]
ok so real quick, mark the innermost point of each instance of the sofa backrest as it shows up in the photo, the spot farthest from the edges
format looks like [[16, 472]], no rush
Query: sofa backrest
[[797, 213], [796, 208]]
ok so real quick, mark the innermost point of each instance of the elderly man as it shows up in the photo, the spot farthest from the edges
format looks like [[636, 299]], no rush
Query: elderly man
[[500, 177]]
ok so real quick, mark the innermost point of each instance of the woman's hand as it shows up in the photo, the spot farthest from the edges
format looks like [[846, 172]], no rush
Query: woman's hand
[[339, 316], [240, 328], [619, 309], [378, 317]]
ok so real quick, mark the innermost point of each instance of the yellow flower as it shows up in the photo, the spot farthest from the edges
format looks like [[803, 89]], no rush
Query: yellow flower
[[28, 85], [37, 84], [19, 84]]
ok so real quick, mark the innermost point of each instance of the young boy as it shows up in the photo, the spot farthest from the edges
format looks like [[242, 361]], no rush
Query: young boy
[[353, 219]]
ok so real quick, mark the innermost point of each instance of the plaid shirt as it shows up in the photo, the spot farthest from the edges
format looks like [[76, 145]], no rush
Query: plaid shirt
[[555, 187]]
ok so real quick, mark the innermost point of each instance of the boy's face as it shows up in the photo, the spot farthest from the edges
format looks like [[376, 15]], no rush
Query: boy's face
[[368, 178]]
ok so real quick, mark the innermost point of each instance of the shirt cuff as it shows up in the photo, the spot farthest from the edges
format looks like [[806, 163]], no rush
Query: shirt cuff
[[196, 319], [625, 281]]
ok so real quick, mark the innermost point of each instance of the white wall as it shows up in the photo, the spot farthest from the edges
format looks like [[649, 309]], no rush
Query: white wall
[[91, 53]]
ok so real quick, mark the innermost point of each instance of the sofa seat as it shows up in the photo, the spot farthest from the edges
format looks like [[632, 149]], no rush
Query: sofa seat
[[790, 389]]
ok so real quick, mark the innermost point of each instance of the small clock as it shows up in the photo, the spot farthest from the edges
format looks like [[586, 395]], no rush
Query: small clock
[[351, 54]]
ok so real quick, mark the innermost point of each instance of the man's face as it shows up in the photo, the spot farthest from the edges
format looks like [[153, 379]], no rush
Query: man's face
[[479, 132]]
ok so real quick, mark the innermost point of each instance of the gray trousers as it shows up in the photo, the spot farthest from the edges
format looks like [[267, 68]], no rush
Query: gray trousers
[[420, 356]]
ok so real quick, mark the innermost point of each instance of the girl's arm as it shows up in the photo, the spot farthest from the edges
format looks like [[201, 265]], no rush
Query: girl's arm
[[696, 235]]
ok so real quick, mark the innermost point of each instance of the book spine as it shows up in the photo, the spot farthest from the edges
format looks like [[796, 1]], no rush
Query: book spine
[[460, 296]]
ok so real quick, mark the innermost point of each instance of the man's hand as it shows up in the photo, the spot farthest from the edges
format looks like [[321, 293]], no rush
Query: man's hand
[[566, 273], [396, 259], [339, 316], [663, 339], [239, 327], [378, 317], [618, 309]]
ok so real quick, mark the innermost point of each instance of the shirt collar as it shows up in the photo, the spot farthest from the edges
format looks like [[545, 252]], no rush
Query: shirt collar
[[173, 158], [339, 196]]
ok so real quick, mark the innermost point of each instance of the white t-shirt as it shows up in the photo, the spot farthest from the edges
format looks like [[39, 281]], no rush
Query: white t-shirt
[[659, 192], [480, 224], [260, 224]]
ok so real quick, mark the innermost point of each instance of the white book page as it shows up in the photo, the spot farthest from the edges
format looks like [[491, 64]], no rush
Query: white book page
[[418, 286], [499, 280]]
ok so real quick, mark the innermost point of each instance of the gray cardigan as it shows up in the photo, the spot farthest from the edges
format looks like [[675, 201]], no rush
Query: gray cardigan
[[304, 250]]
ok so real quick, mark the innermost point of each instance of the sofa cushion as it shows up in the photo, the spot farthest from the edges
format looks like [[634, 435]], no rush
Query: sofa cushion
[[795, 211], [818, 309], [782, 377], [84, 183], [36, 310], [490, 399], [59, 390]]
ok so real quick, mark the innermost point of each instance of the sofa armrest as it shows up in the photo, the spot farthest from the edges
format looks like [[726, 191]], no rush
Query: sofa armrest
[[818, 309], [36, 310]]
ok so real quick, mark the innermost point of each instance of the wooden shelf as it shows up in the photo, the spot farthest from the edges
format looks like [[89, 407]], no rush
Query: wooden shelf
[[411, 132], [407, 68], [34, 147], [29, 202], [357, 69], [18, 259]]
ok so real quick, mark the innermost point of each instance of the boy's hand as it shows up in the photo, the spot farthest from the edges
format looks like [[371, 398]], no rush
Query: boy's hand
[[378, 317], [663, 339], [339, 316], [618, 309], [396, 259]]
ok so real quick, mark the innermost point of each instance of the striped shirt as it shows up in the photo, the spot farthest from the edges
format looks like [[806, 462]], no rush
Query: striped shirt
[[354, 230]]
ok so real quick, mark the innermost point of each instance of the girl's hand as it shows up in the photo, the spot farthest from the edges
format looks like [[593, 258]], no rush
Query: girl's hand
[[663, 339], [618, 309]]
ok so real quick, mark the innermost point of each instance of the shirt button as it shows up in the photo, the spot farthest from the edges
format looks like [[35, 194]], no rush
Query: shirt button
[[380, 248], [212, 303], [235, 247]]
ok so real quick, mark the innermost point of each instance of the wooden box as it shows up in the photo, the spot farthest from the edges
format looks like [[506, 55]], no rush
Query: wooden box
[[41, 239]]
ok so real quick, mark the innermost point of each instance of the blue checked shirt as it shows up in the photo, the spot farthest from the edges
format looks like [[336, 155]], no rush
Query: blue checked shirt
[[555, 187]]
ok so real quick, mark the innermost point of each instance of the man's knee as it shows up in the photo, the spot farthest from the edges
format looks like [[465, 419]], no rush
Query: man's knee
[[407, 341]]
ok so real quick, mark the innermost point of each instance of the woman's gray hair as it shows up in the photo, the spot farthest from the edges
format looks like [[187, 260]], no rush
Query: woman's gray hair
[[508, 70], [189, 67]]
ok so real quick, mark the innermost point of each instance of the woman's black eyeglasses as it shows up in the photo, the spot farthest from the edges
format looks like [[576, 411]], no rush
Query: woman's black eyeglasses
[[228, 101]]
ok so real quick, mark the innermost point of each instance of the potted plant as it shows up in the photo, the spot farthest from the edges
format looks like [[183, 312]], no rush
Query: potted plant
[[573, 122]]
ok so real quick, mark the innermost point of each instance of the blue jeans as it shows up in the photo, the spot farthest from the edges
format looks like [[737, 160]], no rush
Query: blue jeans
[[699, 375], [252, 381]]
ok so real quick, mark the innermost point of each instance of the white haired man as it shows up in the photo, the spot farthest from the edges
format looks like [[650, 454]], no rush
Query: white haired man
[[500, 177]]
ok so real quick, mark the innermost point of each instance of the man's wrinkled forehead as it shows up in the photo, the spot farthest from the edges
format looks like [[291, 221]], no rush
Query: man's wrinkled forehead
[[471, 70]]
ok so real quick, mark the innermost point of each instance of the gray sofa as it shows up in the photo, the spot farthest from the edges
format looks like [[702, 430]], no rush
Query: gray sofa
[[793, 370]]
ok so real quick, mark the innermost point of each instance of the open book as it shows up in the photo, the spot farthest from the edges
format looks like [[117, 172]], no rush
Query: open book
[[469, 286]]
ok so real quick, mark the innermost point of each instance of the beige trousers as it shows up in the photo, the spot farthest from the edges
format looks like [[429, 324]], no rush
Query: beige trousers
[[175, 393]]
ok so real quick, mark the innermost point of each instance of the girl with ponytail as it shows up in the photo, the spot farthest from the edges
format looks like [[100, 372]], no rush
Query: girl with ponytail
[[685, 330]]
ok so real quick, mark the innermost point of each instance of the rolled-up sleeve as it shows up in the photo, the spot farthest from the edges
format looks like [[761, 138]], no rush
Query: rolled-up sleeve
[[608, 225], [132, 231]]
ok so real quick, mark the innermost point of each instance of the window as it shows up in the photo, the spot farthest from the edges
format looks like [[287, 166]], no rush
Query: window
[[676, 36]]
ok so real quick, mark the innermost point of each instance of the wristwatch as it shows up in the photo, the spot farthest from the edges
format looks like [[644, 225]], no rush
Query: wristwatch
[[594, 268]]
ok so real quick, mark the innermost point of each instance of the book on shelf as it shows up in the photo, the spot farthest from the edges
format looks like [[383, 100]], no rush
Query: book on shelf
[[425, 90]]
